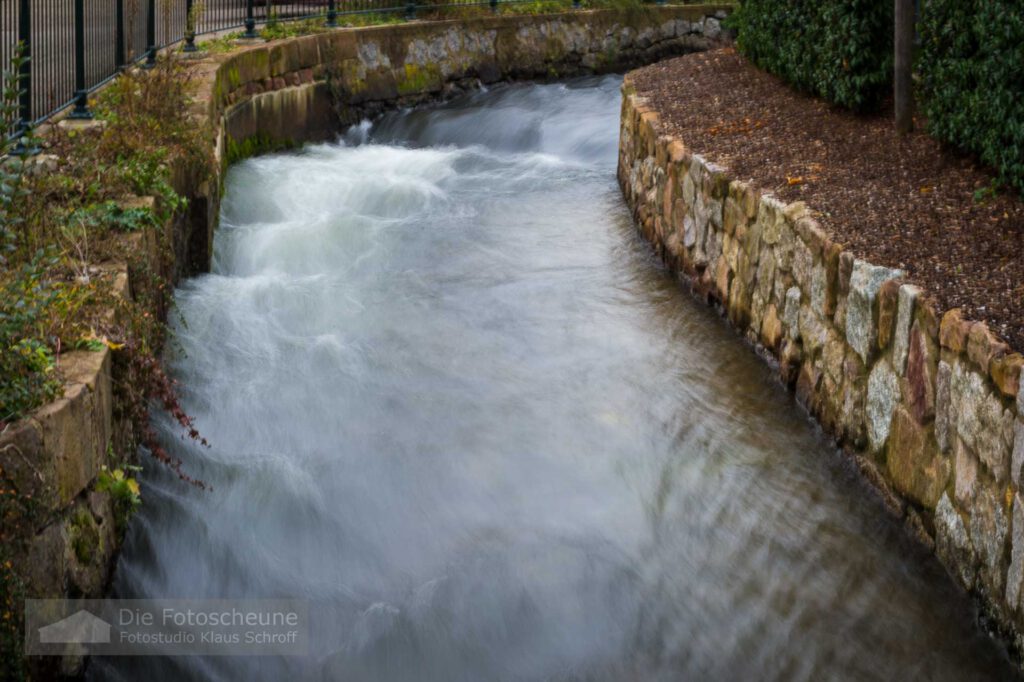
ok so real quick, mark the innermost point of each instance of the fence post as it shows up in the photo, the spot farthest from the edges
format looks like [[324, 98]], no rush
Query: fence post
[[119, 35], [81, 109], [150, 35], [250, 21], [332, 13], [410, 10], [190, 27], [25, 71]]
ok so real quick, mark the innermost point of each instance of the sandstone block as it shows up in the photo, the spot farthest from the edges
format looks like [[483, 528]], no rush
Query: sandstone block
[[888, 296], [953, 331], [733, 216], [789, 362], [921, 371], [771, 328], [915, 465], [807, 383], [770, 219], [983, 347], [1005, 372]]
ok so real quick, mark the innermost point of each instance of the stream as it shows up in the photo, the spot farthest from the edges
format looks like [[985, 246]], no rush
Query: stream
[[455, 402]]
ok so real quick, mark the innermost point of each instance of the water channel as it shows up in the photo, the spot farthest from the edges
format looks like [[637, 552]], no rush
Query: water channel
[[455, 402]]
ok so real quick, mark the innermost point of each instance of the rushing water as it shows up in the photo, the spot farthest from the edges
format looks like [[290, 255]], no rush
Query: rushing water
[[455, 403]]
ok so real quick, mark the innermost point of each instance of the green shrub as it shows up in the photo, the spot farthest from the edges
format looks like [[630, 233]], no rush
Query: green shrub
[[26, 362], [971, 89], [840, 50]]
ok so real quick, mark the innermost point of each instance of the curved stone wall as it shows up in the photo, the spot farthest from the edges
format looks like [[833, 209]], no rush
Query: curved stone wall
[[282, 93], [932, 408]]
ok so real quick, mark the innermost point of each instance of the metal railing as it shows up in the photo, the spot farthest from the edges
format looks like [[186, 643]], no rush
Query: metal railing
[[73, 47]]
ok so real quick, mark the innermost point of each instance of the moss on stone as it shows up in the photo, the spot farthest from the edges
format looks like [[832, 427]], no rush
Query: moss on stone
[[85, 536], [419, 79], [255, 145]]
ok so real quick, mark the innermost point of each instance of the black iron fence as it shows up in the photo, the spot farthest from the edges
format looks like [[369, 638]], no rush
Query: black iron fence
[[74, 46]]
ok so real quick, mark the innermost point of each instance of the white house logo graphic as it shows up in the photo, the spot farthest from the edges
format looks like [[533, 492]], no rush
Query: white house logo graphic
[[80, 627]]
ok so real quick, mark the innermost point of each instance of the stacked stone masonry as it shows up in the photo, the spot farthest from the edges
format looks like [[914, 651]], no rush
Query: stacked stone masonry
[[932, 407], [302, 89]]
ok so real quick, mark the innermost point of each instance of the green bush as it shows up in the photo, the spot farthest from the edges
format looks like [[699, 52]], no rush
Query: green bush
[[840, 50], [971, 90], [27, 376]]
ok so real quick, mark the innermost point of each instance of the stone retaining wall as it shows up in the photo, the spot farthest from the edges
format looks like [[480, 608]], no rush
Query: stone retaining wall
[[282, 93], [931, 406]]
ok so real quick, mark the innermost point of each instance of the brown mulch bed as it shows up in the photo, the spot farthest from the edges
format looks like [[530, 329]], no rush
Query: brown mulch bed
[[904, 202]]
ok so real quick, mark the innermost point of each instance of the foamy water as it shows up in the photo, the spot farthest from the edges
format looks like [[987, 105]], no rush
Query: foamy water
[[455, 403]]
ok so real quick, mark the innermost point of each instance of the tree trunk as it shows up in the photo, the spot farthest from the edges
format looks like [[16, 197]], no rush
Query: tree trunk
[[903, 87]]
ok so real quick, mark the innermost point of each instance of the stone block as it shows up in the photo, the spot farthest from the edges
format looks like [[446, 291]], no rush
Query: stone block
[[807, 383], [861, 322], [945, 415], [966, 475], [907, 298], [882, 397], [733, 216], [1020, 398], [833, 356], [791, 313], [76, 428], [921, 370], [1015, 575], [770, 219], [813, 333], [723, 278], [789, 362], [953, 543], [1005, 372], [771, 328], [888, 296], [989, 528], [915, 465], [677, 152], [981, 421], [953, 331], [983, 347], [1017, 460], [765, 278], [803, 266], [852, 414]]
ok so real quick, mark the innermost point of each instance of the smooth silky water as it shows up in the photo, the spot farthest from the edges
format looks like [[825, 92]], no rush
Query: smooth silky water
[[455, 402]]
